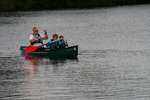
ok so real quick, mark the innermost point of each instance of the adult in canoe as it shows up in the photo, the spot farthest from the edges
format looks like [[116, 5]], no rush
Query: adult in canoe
[[35, 37]]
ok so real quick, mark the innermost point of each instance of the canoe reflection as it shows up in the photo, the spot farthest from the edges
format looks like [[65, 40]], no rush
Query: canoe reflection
[[47, 61], [32, 61], [34, 65]]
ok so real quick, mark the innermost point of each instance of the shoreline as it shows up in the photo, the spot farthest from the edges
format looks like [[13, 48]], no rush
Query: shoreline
[[15, 8]]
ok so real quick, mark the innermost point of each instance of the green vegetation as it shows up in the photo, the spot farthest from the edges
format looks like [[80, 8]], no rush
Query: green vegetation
[[15, 5]]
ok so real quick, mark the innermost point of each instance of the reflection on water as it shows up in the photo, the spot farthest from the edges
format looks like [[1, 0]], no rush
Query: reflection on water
[[23, 77], [47, 77], [47, 61], [34, 62]]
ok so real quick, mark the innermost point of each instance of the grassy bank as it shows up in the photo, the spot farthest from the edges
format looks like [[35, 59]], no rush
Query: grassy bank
[[15, 5]]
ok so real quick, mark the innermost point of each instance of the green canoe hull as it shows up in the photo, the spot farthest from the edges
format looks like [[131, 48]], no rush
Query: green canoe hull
[[60, 53]]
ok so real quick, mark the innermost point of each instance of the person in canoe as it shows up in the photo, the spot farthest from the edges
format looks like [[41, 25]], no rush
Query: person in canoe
[[45, 37], [57, 43], [36, 38], [62, 43], [53, 43]]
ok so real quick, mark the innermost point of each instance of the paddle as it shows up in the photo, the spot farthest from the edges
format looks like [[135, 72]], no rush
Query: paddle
[[30, 48]]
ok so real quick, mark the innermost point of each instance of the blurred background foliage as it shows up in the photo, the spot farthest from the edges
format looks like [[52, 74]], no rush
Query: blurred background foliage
[[17, 5]]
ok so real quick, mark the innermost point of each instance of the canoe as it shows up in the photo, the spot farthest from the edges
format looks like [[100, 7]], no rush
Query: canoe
[[67, 52]]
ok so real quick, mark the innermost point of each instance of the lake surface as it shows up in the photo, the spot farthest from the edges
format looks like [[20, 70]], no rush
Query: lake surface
[[113, 61]]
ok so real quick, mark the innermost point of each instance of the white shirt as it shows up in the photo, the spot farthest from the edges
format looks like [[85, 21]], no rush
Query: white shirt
[[31, 37], [36, 37]]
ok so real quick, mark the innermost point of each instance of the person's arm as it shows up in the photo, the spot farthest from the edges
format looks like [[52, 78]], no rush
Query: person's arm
[[66, 43], [32, 39]]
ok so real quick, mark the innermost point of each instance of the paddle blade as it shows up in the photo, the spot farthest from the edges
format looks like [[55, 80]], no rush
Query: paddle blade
[[30, 49]]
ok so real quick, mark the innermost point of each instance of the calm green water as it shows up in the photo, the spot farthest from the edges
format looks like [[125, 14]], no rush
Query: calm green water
[[113, 61]]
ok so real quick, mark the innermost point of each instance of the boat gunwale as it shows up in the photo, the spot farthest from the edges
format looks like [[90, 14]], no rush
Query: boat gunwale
[[68, 53], [49, 50]]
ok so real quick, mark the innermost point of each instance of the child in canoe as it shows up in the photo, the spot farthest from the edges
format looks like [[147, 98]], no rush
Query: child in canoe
[[62, 43], [53, 42], [57, 43]]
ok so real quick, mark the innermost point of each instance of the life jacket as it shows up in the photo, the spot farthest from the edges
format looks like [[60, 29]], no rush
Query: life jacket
[[38, 37], [62, 43], [53, 44]]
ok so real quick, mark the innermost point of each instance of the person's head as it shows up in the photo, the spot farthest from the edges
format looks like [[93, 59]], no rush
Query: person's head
[[61, 37], [55, 36], [35, 30], [45, 33]]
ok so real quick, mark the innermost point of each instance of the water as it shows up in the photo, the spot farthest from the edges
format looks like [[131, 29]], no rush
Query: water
[[113, 61]]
